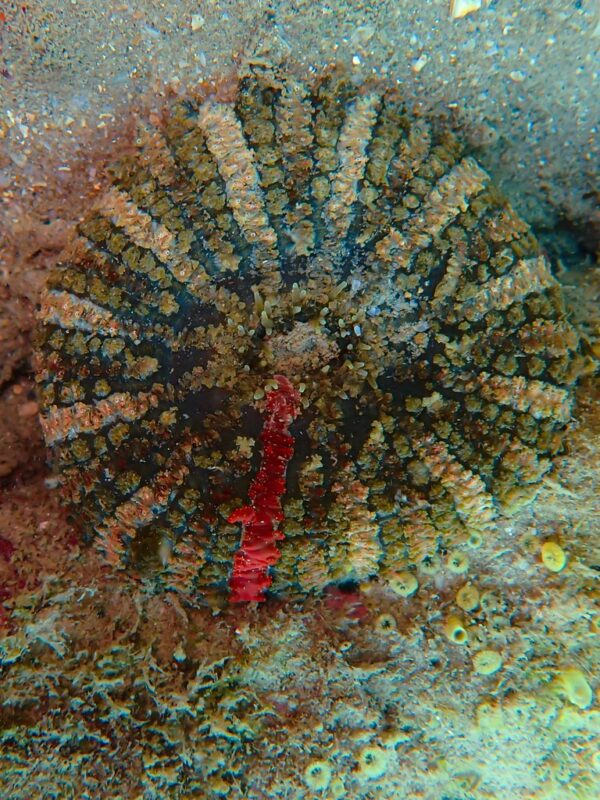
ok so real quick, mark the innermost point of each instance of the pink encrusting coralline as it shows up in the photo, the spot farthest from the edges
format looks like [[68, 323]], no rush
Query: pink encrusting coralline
[[260, 520]]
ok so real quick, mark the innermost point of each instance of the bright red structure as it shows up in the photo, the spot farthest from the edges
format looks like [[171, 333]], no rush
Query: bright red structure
[[260, 519]]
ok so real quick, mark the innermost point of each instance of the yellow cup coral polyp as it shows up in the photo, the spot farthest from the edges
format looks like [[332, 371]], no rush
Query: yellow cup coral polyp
[[486, 662], [372, 763], [574, 684], [403, 584], [317, 775], [554, 557], [467, 597], [455, 630]]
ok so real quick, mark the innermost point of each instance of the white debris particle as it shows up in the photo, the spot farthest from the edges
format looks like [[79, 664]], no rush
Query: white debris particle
[[197, 22], [420, 63], [460, 8], [517, 76]]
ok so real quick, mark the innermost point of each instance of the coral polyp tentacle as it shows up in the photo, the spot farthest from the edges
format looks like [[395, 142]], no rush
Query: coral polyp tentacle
[[260, 520]]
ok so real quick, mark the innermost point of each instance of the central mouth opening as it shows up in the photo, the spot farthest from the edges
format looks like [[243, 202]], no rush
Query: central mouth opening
[[302, 350]]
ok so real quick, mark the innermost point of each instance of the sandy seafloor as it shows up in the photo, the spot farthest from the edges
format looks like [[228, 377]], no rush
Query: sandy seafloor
[[266, 705]]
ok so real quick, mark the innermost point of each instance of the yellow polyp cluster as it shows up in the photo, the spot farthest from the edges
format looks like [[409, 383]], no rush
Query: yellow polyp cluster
[[313, 231]]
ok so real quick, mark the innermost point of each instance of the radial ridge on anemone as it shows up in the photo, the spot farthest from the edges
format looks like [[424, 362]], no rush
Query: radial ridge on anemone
[[313, 239]]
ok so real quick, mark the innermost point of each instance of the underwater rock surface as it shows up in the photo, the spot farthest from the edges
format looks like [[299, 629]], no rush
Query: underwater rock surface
[[272, 234]]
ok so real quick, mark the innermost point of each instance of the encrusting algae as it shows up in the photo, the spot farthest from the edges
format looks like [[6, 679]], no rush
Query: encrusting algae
[[303, 352]]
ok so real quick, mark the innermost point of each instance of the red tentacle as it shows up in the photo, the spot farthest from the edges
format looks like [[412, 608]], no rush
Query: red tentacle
[[257, 552]]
